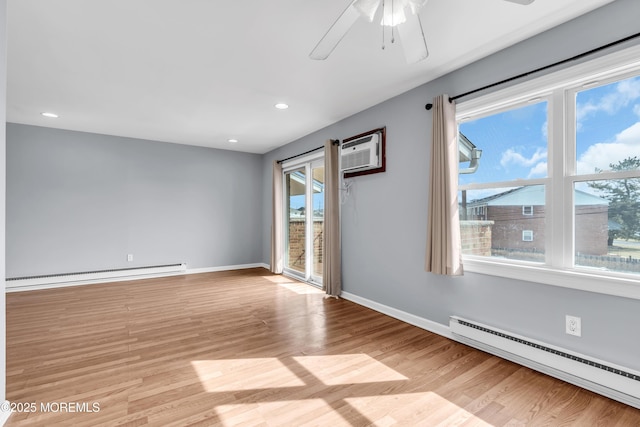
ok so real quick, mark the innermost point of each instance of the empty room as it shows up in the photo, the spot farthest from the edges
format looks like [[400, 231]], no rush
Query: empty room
[[320, 213]]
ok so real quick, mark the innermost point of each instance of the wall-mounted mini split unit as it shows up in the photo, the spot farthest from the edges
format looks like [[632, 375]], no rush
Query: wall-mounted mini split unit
[[361, 154]]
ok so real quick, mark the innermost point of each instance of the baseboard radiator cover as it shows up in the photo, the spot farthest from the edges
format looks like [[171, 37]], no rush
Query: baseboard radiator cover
[[86, 277], [616, 382]]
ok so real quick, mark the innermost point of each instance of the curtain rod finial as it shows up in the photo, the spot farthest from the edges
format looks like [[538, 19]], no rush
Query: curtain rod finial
[[429, 106]]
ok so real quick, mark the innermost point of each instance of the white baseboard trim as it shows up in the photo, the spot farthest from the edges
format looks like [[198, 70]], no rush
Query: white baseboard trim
[[445, 331], [225, 268], [134, 277], [412, 319], [91, 282], [4, 415]]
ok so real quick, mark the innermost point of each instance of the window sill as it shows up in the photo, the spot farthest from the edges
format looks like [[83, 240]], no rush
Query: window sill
[[583, 280]]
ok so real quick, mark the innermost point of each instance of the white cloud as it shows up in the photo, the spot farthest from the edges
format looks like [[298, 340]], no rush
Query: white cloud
[[513, 157], [537, 162], [601, 155], [539, 170], [624, 93]]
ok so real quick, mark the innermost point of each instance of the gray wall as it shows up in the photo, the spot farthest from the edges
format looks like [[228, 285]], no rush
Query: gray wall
[[81, 202], [387, 266]]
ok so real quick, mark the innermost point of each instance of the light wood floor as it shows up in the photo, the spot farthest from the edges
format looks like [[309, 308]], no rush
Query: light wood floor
[[250, 348]]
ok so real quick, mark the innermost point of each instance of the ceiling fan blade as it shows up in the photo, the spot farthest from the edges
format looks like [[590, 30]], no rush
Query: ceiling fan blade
[[337, 31], [412, 39], [522, 2], [367, 8]]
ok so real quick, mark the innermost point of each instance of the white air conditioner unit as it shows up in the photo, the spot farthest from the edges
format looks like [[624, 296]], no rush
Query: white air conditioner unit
[[361, 154]]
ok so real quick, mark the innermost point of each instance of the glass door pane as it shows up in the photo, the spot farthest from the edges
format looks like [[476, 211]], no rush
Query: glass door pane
[[317, 200], [295, 212]]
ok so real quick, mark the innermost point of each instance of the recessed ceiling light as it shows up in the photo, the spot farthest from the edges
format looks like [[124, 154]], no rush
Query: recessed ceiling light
[[232, 140], [52, 115], [281, 106]]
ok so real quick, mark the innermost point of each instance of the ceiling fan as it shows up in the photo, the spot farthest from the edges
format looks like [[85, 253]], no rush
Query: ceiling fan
[[392, 13]]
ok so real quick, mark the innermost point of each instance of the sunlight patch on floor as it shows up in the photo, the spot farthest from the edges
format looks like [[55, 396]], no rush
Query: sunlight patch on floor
[[244, 374], [348, 369], [308, 373], [288, 413], [293, 285], [425, 408], [279, 278], [301, 288]]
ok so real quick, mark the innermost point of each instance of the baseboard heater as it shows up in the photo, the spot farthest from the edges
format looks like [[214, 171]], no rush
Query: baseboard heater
[[616, 382], [86, 277]]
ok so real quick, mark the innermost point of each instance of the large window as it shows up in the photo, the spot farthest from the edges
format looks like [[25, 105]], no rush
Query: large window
[[506, 186], [556, 190]]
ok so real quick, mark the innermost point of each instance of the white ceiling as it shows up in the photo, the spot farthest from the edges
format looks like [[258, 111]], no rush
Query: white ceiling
[[201, 72]]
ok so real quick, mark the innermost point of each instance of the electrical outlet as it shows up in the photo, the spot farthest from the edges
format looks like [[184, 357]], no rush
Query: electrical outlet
[[573, 326], [130, 257]]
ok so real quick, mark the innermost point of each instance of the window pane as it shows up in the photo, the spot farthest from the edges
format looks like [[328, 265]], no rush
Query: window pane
[[608, 126], [493, 222], [607, 224], [295, 184], [318, 219], [513, 145]]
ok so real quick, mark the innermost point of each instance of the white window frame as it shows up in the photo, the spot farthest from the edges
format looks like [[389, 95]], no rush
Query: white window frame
[[527, 235], [559, 248], [527, 212], [308, 162]]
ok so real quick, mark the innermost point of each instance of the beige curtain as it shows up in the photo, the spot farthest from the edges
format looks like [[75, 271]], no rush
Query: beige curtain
[[444, 254], [331, 248], [277, 219]]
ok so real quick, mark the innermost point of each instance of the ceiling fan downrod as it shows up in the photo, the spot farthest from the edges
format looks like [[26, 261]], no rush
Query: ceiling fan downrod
[[384, 23], [393, 39]]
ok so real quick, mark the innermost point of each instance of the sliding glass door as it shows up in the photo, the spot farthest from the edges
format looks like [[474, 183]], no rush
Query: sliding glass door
[[304, 220]]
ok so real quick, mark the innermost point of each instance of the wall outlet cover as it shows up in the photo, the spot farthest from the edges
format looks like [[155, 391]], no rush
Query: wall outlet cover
[[573, 326]]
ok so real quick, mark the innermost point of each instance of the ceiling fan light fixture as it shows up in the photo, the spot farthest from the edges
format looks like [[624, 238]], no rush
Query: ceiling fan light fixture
[[393, 11]]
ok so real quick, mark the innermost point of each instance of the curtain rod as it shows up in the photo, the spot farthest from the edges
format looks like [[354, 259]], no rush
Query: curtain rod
[[334, 141], [564, 61]]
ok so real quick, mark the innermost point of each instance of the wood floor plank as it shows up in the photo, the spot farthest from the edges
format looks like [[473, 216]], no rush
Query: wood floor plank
[[250, 348]]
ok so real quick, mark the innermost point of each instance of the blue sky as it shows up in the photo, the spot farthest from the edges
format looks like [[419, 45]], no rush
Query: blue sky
[[298, 201], [514, 143]]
